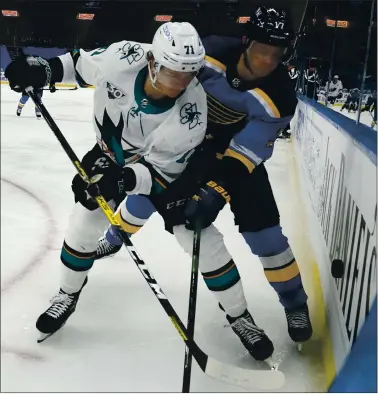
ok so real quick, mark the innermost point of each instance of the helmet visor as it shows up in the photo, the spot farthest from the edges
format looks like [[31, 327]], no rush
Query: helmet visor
[[174, 79]]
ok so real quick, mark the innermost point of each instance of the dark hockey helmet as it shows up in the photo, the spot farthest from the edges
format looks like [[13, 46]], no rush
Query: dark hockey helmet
[[270, 26]]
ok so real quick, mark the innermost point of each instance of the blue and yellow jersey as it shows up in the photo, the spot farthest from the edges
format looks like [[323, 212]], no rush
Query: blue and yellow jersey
[[244, 118]]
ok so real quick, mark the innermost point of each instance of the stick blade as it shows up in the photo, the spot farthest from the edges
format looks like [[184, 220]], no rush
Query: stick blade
[[248, 379]]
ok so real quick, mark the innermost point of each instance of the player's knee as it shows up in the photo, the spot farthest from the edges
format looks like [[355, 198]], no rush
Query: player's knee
[[85, 228], [213, 251], [267, 242], [75, 259], [134, 213]]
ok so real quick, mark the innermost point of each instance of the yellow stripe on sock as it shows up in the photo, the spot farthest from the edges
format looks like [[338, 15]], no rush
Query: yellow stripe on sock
[[283, 274], [127, 227]]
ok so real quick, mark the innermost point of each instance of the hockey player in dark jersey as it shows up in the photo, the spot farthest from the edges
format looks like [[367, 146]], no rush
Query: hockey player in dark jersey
[[371, 106], [250, 99], [351, 103]]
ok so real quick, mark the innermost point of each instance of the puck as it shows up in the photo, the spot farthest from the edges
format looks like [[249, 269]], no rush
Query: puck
[[337, 268]]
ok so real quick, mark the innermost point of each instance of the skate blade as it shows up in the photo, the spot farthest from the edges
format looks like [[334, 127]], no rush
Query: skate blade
[[43, 337], [300, 347], [272, 365]]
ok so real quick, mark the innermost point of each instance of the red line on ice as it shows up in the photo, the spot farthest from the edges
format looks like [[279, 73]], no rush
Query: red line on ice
[[44, 248], [22, 354]]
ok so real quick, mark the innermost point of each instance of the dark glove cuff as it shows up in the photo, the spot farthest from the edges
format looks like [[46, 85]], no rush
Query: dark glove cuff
[[57, 71], [129, 179]]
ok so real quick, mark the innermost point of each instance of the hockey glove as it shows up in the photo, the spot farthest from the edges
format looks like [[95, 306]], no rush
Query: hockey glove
[[52, 88], [203, 208], [28, 71], [112, 183]]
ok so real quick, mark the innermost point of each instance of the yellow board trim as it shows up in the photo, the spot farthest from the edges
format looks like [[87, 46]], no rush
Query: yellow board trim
[[268, 101], [231, 153], [310, 272], [282, 274], [216, 63], [128, 228]]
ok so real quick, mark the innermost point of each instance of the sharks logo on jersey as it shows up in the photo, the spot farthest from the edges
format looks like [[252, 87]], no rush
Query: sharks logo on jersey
[[132, 53], [190, 114], [111, 135]]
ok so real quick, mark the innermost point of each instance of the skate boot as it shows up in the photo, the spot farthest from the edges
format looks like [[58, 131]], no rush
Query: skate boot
[[19, 111], [38, 114], [55, 317], [106, 249], [299, 324], [252, 337]]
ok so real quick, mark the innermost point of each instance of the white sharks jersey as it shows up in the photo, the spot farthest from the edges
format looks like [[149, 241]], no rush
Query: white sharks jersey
[[129, 125]]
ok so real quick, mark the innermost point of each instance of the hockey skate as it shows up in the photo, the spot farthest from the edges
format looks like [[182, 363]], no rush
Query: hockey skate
[[252, 337], [38, 114], [106, 249], [18, 111], [55, 317], [299, 324]]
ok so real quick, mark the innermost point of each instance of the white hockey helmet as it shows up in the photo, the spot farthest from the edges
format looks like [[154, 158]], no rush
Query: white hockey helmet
[[335, 77], [177, 46]]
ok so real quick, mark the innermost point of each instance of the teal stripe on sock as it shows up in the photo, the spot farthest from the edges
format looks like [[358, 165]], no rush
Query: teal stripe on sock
[[76, 261], [223, 280]]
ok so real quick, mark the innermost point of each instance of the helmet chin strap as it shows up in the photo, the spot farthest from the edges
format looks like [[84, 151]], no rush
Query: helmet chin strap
[[153, 77]]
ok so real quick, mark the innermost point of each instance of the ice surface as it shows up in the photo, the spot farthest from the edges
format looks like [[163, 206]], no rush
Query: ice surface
[[366, 117], [120, 338]]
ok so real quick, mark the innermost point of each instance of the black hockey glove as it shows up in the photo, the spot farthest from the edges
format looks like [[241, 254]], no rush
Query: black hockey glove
[[111, 182], [52, 88], [28, 71], [203, 208]]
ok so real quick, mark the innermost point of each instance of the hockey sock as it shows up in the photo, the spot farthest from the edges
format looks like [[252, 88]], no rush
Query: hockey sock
[[280, 267], [227, 288], [217, 267]]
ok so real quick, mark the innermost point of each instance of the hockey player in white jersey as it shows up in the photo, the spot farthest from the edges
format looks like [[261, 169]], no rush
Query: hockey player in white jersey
[[150, 112], [335, 87], [233, 153]]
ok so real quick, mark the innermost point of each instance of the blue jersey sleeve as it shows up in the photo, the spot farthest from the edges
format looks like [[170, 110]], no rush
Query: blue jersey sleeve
[[254, 143]]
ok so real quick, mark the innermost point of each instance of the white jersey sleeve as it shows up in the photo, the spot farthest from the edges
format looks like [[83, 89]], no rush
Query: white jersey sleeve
[[87, 68]]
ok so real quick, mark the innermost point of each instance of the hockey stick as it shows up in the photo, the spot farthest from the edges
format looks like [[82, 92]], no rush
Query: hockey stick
[[245, 378], [192, 309], [75, 88]]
